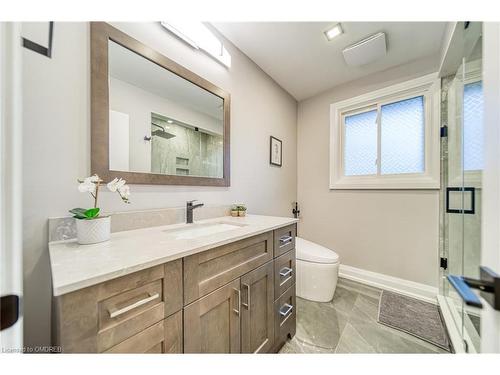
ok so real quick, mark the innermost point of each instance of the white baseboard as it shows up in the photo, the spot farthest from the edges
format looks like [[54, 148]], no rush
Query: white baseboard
[[394, 284]]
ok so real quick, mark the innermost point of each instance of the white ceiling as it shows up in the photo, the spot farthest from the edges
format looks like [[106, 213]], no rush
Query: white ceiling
[[138, 71], [298, 56]]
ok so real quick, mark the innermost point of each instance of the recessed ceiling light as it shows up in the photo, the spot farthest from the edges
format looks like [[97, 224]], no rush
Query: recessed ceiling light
[[334, 31]]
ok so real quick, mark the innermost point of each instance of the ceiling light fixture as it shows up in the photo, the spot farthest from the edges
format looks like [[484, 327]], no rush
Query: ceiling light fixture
[[366, 51], [200, 37], [170, 121], [334, 31]]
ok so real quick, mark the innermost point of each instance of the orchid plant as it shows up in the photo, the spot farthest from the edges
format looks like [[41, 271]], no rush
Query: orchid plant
[[91, 185]]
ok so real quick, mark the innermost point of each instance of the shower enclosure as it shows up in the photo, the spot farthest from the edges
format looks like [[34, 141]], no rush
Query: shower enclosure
[[461, 175]]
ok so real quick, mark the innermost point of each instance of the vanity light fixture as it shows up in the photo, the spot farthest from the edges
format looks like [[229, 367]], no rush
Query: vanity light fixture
[[199, 36], [333, 31]]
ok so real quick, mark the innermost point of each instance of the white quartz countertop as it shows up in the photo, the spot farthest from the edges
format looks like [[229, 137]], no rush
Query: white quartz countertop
[[77, 266]]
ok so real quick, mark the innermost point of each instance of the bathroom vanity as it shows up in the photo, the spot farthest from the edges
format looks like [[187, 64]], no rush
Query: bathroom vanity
[[223, 285]]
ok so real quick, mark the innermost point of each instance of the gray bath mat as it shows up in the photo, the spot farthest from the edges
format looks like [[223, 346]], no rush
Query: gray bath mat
[[418, 318]]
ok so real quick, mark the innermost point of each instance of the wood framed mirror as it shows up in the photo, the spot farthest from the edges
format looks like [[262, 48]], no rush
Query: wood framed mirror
[[152, 120]]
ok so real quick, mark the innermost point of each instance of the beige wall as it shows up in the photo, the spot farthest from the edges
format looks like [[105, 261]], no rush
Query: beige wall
[[57, 146], [391, 232]]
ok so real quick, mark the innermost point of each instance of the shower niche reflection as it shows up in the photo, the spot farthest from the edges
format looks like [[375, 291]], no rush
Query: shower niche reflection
[[181, 149]]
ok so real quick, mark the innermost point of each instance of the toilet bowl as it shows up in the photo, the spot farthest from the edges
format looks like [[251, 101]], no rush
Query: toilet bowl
[[317, 271]]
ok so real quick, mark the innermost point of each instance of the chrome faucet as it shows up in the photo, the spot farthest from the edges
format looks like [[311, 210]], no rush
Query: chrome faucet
[[189, 210]]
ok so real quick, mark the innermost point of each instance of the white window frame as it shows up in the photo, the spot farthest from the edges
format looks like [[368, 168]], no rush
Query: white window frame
[[428, 86]]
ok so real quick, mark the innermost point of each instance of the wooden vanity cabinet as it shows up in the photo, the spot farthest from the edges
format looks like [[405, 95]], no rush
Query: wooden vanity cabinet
[[236, 298]]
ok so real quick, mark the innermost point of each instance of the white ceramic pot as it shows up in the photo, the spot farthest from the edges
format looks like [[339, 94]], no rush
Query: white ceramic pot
[[93, 231]]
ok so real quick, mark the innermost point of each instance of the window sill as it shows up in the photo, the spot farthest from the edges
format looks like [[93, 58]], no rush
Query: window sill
[[406, 182]]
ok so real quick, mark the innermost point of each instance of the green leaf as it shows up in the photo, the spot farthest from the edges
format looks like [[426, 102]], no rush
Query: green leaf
[[79, 213], [92, 213]]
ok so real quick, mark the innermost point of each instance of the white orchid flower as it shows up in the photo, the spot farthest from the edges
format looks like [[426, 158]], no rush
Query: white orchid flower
[[116, 184], [87, 186], [112, 185], [124, 191], [95, 178]]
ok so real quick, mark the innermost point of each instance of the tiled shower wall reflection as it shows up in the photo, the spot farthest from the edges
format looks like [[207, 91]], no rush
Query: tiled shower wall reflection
[[187, 152]]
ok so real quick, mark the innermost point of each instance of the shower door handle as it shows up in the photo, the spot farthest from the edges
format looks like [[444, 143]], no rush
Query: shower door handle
[[488, 284], [464, 290], [461, 210]]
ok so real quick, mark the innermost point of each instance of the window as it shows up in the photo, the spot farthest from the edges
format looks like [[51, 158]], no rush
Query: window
[[360, 152], [473, 126], [388, 139]]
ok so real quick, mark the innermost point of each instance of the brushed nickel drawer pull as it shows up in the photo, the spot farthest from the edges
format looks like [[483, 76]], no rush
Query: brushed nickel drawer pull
[[247, 304], [285, 271], [285, 240], [114, 313], [286, 309], [237, 311]]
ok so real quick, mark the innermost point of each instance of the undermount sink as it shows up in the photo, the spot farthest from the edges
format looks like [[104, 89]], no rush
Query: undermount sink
[[191, 231]]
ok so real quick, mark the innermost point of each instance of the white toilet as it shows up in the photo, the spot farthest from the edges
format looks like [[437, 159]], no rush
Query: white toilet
[[317, 271]]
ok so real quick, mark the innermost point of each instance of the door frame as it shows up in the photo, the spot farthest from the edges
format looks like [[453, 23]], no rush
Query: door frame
[[490, 250], [11, 339]]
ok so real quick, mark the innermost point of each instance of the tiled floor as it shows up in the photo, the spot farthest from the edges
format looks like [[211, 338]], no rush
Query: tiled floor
[[348, 324]]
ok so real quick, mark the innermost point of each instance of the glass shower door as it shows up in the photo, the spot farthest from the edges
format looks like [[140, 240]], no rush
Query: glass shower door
[[462, 170]]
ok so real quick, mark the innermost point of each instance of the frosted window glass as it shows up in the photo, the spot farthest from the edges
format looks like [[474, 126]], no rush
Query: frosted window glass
[[473, 126], [360, 144], [402, 137]]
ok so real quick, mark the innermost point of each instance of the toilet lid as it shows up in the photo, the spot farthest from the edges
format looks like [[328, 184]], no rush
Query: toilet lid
[[312, 252]]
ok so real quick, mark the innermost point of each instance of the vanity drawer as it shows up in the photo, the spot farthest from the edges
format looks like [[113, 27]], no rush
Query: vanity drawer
[[146, 341], [205, 272], [284, 239], [284, 316], [284, 273], [128, 313], [162, 337]]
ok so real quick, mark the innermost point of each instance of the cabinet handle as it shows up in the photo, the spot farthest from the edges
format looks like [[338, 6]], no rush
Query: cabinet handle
[[286, 309], [237, 311], [247, 304], [115, 313], [285, 240], [285, 271]]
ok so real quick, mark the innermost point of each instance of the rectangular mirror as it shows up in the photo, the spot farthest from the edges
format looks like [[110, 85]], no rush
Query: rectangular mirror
[[153, 121]]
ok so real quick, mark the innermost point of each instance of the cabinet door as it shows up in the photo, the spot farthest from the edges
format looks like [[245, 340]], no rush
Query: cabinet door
[[257, 317], [212, 323]]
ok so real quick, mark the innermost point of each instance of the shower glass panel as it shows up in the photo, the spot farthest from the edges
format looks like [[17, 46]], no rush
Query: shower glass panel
[[462, 155]]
